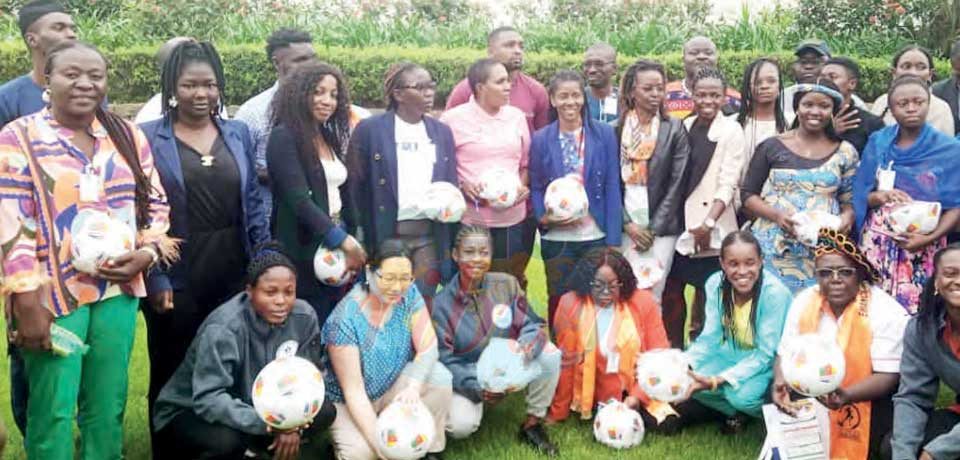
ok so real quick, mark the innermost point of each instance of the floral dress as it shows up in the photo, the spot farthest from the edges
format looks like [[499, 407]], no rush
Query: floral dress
[[793, 183], [902, 273]]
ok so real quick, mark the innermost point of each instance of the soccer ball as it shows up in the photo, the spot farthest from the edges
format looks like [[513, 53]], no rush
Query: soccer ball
[[288, 392], [812, 365], [617, 425], [95, 237], [405, 431], [443, 202], [499, 187], [501, 369], [330, 266], [664, 374], [566, 199]]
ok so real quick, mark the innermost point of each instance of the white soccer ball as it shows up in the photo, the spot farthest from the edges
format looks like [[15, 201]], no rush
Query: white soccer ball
[[330, 266], [812, 365], [288, 392], [617, 425], [500, 187], [664, 374], [501, 369], [405, 431], [443, 202], [95, 237], [566, 199]]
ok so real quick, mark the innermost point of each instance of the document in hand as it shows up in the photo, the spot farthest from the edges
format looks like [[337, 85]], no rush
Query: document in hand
[[804, 437]]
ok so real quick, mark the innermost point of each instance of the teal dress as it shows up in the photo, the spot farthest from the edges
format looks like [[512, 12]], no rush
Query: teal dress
[[747, 370]]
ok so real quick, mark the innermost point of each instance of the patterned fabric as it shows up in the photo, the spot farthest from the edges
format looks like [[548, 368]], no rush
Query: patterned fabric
[[570, 144], [35, 224], [831, 241], [636, 148], [902, 273], [823, 188], [384, 351], [678, 101]]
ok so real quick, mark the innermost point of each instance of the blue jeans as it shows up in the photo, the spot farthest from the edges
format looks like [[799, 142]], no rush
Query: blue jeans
[[559, 258]]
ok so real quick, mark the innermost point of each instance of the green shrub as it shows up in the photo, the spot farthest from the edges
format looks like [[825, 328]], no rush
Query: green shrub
[[134, 77]]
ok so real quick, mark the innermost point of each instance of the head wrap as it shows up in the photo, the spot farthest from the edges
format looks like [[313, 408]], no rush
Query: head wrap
[[33, 11], [803, 88], [265, 257], [831, 241]]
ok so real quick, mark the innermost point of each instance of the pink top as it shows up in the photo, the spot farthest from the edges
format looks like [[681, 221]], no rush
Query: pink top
[[485, 141], [526, 94]]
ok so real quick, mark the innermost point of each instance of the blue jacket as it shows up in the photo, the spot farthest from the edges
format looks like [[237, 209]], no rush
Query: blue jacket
[[163, 143], [601, 173], [372, 180]]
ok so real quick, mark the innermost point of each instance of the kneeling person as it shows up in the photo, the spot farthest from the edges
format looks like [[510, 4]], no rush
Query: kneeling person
[[473, 308], [205, 409]]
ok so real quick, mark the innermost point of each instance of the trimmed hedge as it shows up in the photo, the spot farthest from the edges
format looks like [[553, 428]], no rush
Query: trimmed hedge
[[134, 77]]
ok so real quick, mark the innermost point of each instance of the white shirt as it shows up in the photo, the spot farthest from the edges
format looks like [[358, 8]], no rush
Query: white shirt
[[336, 174], [416, 155], [888, 319]]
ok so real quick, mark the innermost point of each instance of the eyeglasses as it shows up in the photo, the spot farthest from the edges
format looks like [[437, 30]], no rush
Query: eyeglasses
[[422, 86], [830, 273], [394, 279], [603, 286], [598, 64]]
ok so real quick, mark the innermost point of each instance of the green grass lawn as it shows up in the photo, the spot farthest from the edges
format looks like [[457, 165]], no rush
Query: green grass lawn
[[495, 440]]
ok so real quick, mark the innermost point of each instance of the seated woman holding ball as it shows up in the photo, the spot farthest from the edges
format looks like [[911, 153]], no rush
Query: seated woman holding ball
[[475, 308], [868, 326], [382, 348], [205, 410], [732, 359], [931, 355], [602, 325]]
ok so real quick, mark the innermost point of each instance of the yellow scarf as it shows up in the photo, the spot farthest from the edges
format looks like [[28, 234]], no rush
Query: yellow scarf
[[623, 339], [849, 425]]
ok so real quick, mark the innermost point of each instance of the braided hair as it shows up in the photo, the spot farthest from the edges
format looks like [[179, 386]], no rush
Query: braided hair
[[750, 74], [120, 133], [705, 73], [931, 305], [393, 80], [726, 287], [586, 268], [467, 231], [905, 81], [293, 108], [266, 256], [184, 54]]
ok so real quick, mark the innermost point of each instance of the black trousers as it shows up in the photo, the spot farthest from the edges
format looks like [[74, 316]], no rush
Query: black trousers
[[190, 437]]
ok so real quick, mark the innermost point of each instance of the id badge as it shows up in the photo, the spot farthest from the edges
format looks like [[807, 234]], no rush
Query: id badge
[[613, 363], [90, 185], [885, 179]]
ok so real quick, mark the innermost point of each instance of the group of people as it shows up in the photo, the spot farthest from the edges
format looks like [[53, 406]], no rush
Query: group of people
[[688, 178]]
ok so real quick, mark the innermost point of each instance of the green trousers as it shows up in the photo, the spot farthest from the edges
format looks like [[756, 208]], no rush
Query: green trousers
[[94, 384]]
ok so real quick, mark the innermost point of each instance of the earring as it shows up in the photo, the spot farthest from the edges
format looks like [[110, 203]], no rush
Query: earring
[[45, 96], [172, 103]]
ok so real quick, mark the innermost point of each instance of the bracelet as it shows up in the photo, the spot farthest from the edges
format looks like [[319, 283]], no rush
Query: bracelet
[[713, 384], [153, 253]]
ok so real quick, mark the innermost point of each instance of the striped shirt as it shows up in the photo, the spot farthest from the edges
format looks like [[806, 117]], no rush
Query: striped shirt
[[39, 199]]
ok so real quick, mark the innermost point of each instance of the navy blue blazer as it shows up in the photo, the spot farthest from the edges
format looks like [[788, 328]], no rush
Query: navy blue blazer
[[372, 180], [163, 144], [601, 173]]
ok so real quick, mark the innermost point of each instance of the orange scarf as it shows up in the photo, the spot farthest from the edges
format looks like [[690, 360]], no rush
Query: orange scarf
[[623, 339], [849, 425], [636, 148]]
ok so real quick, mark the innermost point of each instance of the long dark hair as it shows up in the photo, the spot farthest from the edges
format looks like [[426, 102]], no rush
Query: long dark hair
[[586, 268], [726, 288], [293, 108], [931, 305], [120, 132], [747, 106], [186, 53], [566, 76], [626, 102]]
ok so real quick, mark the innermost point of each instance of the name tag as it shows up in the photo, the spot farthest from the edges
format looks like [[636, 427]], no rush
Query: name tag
[[885, 179], [91, 183]]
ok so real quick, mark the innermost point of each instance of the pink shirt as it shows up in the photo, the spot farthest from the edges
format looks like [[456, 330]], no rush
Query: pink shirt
[[526, 94], [485, 141]]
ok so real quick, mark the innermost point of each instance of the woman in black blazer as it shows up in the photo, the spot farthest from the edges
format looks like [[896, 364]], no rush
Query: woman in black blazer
[[308, 177], [393, 158]]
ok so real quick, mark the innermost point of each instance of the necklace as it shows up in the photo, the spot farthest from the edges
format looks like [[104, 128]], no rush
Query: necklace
[[206, 160]]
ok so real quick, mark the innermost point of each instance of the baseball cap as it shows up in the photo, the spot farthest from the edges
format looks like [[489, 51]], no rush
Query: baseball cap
[[817, 46]]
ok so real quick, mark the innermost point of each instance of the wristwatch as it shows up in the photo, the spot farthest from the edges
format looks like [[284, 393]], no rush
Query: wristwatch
[[709, 223]]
